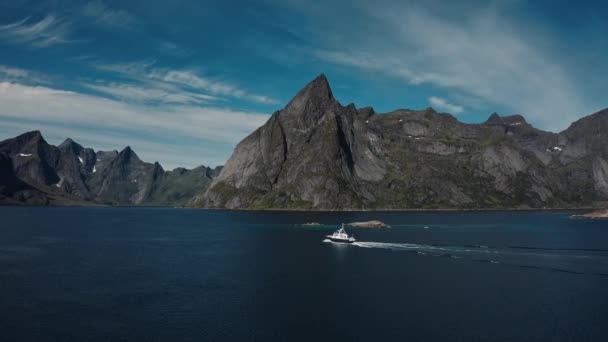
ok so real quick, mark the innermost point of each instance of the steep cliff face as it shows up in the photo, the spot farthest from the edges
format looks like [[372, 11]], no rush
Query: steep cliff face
[[34, 172], [304, 156], [316, 153]]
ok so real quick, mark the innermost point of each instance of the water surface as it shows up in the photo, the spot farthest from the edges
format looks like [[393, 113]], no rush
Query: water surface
[[161, 274]]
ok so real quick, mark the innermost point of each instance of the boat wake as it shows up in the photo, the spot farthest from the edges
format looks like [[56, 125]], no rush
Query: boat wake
[[426, 249], [574, 261]]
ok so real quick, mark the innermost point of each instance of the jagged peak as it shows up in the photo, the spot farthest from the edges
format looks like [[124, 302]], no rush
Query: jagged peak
[[128, 153], [317, 91], [366, 112], [321, 84], [494, 117], [506, 120], [69, 143], [158, 168], [30, 135]]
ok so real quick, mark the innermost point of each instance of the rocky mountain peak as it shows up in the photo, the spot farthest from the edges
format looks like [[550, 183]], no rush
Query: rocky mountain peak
[[35, 136], [32, 134], [316, 94], [319, 88], [496, 119], [30, 142], [67, 141], [158, 168], [127, 154], [71, 145], [34, 172]]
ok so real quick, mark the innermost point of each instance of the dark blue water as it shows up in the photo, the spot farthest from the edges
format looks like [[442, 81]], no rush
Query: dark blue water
[[157, 274]]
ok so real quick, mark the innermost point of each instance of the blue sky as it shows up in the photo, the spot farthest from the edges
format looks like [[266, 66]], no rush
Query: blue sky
[[183, 81]]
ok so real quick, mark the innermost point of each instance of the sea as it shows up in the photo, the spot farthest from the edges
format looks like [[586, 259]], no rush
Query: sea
[[166, 274]]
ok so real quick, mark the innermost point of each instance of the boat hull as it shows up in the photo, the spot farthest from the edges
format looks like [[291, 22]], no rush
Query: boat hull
[[340, 240]]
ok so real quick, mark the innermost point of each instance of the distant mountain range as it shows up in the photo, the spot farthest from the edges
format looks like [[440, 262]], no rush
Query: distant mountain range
[[317, 154], [35, 172]]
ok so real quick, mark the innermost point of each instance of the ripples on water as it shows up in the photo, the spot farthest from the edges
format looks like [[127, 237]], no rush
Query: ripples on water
[[161, 274], [570, 260]]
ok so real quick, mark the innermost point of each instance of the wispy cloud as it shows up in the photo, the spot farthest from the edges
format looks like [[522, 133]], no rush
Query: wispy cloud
[[188, 79], [480, 53], [443, 104], [202, 126], [191, 79], [105, 16], [130, 92], [49, 31], [9, 73]]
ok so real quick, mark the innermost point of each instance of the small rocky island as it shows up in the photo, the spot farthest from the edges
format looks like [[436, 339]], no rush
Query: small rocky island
[[368, 224], [598, 214]]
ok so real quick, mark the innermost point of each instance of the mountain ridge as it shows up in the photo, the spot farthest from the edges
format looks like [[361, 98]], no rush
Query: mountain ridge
[[35, 172], [317, 154]]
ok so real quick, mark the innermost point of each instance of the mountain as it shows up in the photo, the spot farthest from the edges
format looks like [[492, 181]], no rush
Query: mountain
[[179, 186], [316, 153], [35, 172]]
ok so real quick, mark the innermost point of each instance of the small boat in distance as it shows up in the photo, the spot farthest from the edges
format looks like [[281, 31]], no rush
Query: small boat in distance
[[340, 235]]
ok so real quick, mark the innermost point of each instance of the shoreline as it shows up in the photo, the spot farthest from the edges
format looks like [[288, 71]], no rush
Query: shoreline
[[310, 210], [395, 210], [402, 210]]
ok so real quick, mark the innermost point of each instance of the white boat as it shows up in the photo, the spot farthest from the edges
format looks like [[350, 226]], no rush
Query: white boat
[[340, 235]]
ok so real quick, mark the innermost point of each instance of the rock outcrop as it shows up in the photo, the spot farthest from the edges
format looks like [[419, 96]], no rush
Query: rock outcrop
[[599, 214], [368, 224], [317, 154]]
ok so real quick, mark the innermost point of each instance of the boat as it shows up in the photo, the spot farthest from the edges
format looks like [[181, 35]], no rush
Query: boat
[[340, 235]]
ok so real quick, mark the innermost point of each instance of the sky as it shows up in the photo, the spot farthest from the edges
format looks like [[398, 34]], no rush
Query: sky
[[183, 81]]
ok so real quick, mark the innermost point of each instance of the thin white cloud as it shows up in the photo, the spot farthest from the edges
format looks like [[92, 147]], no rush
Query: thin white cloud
[[140, 94], [107, 17], [9, 73], [479, 54], [49, 31], [443, 104], [40, 106], [189, 79]]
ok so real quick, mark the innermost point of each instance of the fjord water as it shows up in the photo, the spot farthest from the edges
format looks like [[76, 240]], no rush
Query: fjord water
[[162, 274]]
